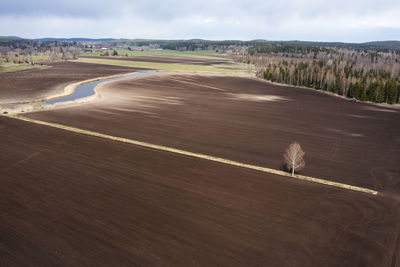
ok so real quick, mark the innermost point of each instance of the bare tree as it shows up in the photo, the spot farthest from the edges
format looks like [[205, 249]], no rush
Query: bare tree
[[294, 157]]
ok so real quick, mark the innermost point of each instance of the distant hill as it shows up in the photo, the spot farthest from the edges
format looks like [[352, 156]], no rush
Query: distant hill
[[9, 38], [75, 39], [368, 45], [200, 44], [194, 44], [387, 44]]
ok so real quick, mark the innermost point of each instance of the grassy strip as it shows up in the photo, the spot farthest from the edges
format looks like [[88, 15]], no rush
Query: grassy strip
[[161, 52], [191, 54], [9, 67], [237, 66], [197, 155], [157, 66]]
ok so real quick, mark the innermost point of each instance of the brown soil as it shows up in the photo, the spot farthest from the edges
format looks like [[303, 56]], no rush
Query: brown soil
[[168, 59], [71, 200], [36, 84], [252, 122]]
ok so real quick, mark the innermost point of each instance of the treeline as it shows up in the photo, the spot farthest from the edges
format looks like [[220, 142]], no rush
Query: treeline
[[289, 51], [255, 46], [383, 46], [235, 46], [259, 46], [16, 42], [366, 75], [28, 56], [229, 46], [219, 46], [23, 51]]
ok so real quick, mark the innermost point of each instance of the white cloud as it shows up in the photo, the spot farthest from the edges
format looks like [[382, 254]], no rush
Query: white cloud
[[339, 20]]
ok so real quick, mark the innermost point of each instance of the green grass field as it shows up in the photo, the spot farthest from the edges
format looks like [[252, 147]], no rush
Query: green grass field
[[159, 66], [236, 66], [161, 52], [39, 58]]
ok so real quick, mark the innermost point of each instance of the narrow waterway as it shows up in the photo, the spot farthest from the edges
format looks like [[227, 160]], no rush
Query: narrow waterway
[[87, 89]]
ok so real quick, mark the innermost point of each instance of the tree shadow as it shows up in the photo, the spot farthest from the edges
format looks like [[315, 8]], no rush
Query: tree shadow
[[284, 168]]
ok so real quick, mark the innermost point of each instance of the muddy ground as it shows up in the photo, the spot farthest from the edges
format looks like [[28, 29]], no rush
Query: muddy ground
[[36, 84], [71, 200], [250, 121], [168, 59]]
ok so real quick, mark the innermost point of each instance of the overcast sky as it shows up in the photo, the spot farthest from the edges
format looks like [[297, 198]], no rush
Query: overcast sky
[[316, 20]]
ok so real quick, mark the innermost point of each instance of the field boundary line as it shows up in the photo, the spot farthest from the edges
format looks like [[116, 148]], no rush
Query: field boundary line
[[197, 155], [197, 84]]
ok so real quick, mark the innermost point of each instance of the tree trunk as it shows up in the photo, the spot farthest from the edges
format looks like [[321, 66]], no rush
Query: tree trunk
[[293, 168]]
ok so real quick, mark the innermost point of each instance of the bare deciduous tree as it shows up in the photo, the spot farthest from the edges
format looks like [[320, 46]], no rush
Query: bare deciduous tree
[[294, 157], [365, 75]]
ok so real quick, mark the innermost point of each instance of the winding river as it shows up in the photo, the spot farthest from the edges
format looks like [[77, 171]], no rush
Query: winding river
[[88, 89]]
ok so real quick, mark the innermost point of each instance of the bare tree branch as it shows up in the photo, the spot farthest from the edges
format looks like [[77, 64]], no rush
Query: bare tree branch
[[294, 157]]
